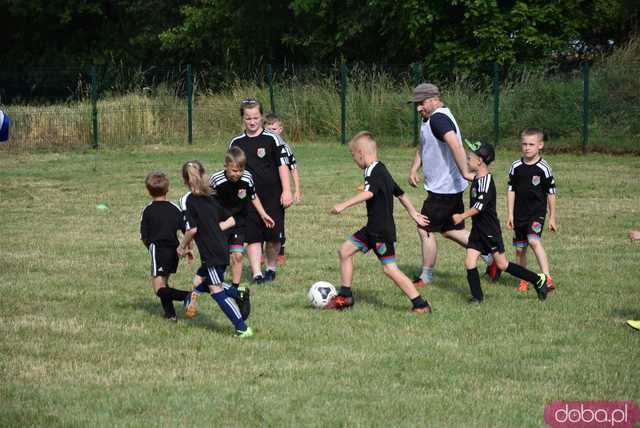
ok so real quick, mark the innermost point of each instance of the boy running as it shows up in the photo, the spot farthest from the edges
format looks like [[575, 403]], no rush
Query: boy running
[[380, 232], [532, 188], [159, 223], [486, 236]]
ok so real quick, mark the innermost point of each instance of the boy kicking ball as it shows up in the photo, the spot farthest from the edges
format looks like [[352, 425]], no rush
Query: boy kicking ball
[[380, 232], [486, 236]]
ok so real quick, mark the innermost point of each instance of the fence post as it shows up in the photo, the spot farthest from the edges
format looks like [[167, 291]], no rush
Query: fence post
[[94, 107], [585, 106], [189, 104], [270, 82], [343, 103], [416, 77], [496, 103]]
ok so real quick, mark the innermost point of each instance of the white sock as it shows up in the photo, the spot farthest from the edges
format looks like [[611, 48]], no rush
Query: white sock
[[488, 258], [427, 274]]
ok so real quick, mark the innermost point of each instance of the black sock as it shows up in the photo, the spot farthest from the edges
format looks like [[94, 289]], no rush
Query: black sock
[[522, 273], [282, 242], [345, 291], [167, 302], [419, 302], [235, 284], [178, 295], [473, 277]]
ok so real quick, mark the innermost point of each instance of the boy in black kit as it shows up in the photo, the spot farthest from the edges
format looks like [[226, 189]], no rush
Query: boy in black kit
[[380, 232], [159, 223], [486, 236]]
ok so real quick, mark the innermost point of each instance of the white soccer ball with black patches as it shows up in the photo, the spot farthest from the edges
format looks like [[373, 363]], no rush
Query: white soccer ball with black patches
[[321, 293]]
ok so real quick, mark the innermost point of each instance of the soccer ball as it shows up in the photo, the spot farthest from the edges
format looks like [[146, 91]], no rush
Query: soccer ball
[[321, 293]]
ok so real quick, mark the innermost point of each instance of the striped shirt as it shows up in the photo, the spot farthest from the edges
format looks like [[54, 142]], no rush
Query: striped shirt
[[483, 198], [234, 196]]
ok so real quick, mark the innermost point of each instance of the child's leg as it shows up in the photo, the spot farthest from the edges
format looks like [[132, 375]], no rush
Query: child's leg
[[541, 255], [473, 277], [406, 285], [236, 267], [159, 285], [254, 253], [521, 256], [346, 252], [224, 301], [539, 281]]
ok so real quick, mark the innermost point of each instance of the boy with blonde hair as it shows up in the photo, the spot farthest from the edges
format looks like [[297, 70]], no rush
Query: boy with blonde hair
[[380, 232]]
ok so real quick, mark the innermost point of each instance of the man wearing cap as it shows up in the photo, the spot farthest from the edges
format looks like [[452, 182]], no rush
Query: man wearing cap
[[444, 166]]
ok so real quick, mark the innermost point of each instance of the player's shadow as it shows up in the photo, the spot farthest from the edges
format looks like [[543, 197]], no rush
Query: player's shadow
[[153, 308], [628, 313], [451, 282]]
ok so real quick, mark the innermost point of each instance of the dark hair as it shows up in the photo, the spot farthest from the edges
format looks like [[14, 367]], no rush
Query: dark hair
[[195, 177], [249, 102], [272, 118], [157, 183]]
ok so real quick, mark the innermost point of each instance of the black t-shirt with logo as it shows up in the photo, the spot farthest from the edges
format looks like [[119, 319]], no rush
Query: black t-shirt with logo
[[483, 198], [234, 196], [264, 155], [531, 184], [159, 222], [204, 212], [380, 223]]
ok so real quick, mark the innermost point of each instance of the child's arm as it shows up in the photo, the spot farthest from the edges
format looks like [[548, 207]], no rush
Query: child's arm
[[268, 221], [422, 220], [459, 218], [354, 200], [511, 202], [227, 224], [297, 195], [185, 245], [285, 198], [551, 201]]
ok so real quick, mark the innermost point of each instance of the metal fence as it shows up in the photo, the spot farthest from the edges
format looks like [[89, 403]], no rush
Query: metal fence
[[51, 108]]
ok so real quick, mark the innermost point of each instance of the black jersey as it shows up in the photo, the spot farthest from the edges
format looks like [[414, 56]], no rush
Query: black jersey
[[264, 155], [204, 212], [531, 184], [378, 180], [234, 196], [483, 198], [159, 222], [291, 159]]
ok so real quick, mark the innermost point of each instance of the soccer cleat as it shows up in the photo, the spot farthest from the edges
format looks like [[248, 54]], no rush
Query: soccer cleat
[[550, 284], [282, 260], [244, 302], [474, 301], [258, 279], [423, 310], [419, 283], [634, 324], [541, 286], [244, 334], [493, 272], [172, 319], [269, 275], [523, 286], [339, 302], [190, 304]]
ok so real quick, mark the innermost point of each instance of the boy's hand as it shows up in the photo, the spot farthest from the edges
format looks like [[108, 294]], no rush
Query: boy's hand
[[297, 197], [510, 223], [552, 225], [634, 235], [286, 199], [268, 221], [457, 218], [337, 209], [421, 219]]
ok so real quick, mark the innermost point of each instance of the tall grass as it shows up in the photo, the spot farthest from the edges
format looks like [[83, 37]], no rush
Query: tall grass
[[309, 101]]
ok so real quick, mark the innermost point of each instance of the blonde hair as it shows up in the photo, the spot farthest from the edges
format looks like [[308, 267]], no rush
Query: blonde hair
[[157, 183], [236, 156], [195, 176], [364, 140], [529, 132]]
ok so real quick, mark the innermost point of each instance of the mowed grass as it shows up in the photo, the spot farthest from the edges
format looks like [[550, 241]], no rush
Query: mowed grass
[[84, 344]]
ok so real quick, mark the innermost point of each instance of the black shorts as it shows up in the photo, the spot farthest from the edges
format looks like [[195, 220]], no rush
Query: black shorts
[[257, 231], [213, 275], [236, 239], [164, 260], [384, 250], [486, 244], [530, 230], [440, 208]]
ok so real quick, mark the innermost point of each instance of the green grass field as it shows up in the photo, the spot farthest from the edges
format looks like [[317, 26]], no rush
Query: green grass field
[[84, 344]]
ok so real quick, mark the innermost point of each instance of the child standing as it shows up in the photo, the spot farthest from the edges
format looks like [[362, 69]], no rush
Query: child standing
[[159, 223], [205, 222], [273, 123], [380, 232], [532, 188], [486, 236]]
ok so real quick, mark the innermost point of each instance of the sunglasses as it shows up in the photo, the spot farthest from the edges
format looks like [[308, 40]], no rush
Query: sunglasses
[[249, 100]]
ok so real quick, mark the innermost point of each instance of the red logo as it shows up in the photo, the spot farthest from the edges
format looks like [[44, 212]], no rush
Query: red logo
[[591, 414]]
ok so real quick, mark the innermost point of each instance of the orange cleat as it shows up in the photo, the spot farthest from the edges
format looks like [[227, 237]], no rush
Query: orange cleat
[[523, 286]]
